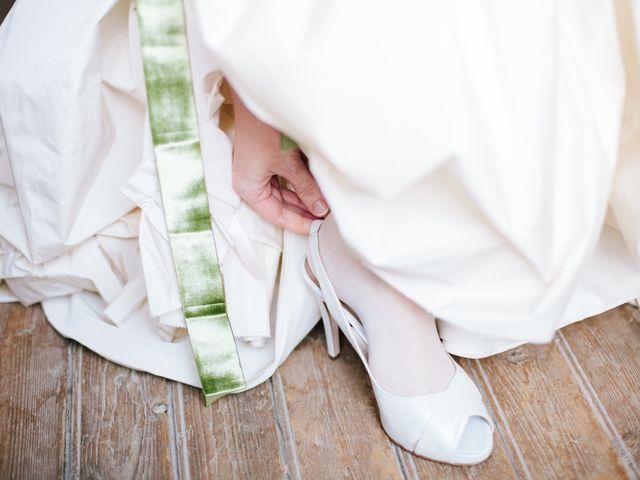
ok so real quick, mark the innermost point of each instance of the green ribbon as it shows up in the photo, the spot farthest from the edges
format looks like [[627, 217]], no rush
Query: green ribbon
[[287, 143], [176, 143]]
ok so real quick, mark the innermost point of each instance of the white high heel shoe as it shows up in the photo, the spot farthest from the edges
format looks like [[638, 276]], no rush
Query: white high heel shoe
[[450, 426]]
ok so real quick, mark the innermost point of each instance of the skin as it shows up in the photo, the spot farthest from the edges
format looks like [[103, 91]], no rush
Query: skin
[[257, 164], [421, 366]]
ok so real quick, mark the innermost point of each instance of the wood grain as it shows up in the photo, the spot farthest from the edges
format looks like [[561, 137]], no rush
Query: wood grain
[[551, 427], [570, 409], [234, 438], [33, 384], [5, 6], [121, 424], [607, 353], [334, 416]]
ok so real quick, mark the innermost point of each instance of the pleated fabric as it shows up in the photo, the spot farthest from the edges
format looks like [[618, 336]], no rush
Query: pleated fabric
[[482, 157], [82, 228]]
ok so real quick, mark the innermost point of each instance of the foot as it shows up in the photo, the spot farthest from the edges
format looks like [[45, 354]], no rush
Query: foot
[[405, 353]]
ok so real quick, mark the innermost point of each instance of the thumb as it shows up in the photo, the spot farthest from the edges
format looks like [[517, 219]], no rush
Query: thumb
[[305, 186]]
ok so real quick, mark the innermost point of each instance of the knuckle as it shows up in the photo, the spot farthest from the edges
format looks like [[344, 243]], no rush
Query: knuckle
[[290, 163], [243, 189], [307, 189], [238, 185]]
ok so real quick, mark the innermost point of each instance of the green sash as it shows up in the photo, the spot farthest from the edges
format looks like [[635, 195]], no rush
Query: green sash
[[184, 197]]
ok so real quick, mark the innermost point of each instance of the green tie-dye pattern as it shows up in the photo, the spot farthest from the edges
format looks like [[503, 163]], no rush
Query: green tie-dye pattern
[[184, 196], [286, 143]]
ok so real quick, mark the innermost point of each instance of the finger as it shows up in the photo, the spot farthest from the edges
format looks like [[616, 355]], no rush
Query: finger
[[300, 211], [282, 214], [298, 175], [293, 199], [294, 221], [287, 195]]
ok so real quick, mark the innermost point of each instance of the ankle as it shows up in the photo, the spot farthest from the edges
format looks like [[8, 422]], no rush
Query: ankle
[[405, 352]]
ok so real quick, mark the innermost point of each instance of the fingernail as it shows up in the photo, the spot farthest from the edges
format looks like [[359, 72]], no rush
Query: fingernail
[[320, 208]]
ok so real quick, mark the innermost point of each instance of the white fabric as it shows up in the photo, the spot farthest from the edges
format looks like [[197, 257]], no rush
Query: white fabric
[[470, 152], [82, 228]]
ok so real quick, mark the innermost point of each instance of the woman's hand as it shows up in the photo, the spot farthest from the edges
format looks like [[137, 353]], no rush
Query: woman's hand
[[258, 160]]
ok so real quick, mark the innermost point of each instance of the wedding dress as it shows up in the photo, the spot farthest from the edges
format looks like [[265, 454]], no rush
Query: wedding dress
[[82, 227], [483, 158]]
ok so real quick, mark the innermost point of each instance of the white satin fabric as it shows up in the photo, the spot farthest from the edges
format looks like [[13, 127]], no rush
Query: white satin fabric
[[470, 152], [82, 227], [482, 157]]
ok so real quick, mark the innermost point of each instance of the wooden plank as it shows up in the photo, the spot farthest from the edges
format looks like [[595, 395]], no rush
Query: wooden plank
[[234, 438], [606, 350], [33, 384], [552, 428], [285, 432], [5, 6], [121, 427], [559, 408], [334, 416], [498, 465]]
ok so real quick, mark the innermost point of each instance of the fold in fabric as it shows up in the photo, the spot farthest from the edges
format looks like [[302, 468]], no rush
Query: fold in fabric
[[83, 228], [481, 157]]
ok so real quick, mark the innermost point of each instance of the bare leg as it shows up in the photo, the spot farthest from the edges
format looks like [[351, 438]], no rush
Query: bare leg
[[405, 353]]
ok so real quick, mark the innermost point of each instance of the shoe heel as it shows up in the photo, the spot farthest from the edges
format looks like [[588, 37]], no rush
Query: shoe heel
[[331, 330]]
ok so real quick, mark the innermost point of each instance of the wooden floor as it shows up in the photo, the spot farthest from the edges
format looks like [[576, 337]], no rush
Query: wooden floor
[[570, 409]]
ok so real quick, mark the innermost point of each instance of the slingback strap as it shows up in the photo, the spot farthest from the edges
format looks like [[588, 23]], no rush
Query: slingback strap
[[176, 142], [315, 289], [350, 326]]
